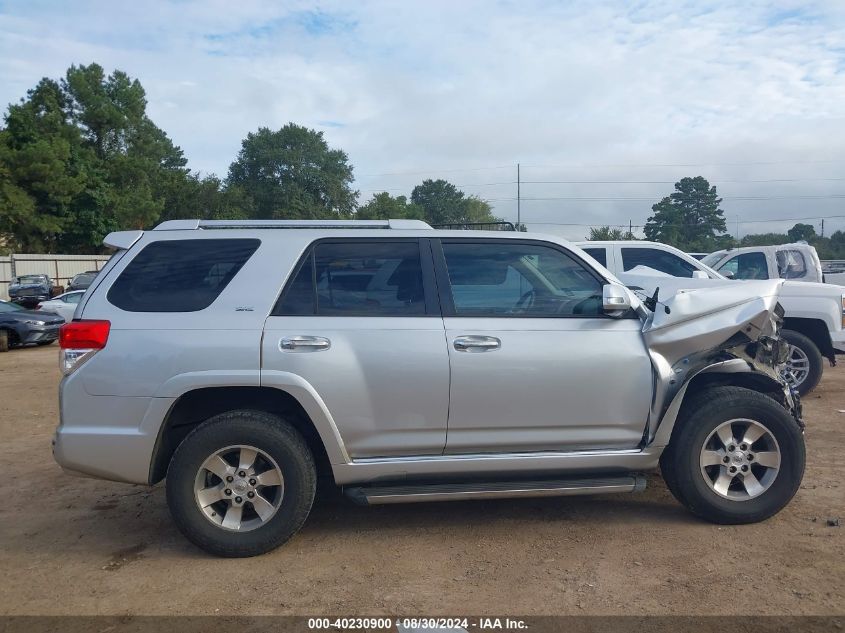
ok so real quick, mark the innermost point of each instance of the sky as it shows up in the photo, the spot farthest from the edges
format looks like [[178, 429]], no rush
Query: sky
[[603, 104]]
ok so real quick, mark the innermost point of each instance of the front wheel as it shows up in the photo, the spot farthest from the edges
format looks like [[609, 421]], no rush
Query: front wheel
[[736, 456], [4, 341], [241, 484], [805, 365]]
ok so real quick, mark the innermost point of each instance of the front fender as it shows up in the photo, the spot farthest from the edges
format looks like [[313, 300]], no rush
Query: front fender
[[736, 371]]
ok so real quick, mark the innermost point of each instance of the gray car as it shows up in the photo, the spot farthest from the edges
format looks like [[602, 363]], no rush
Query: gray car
[[242, 360]]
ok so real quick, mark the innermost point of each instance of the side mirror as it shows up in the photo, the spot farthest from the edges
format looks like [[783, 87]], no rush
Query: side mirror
[[699, 274], [727, 273], [615, 299]]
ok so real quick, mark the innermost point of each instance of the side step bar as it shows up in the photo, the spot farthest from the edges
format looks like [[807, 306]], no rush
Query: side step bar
[[414, 493]]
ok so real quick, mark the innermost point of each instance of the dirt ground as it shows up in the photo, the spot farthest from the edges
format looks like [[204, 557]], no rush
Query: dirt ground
[[80, 546]]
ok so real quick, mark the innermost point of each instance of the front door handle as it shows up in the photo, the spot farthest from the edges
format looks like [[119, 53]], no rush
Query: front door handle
[[473, 343], [304, 344]]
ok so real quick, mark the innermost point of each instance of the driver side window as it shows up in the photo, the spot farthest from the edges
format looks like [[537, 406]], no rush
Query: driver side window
[[520, 280]]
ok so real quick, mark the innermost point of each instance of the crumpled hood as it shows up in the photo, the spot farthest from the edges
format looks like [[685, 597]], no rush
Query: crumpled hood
[[708, 318]]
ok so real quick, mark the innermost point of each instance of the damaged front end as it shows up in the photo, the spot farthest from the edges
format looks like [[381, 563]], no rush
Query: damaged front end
[[716, 336]]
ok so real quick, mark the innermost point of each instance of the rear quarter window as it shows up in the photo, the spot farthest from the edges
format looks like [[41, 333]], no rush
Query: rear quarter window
[[180, 275]]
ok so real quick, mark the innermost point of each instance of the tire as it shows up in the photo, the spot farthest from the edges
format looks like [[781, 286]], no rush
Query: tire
[[4, 341], [693, 485], [812, 364], [279, 445]]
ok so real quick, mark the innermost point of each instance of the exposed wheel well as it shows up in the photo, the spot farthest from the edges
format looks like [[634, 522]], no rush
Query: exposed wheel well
[[12, 334], [749, 380], [194, 407], [816, 331]]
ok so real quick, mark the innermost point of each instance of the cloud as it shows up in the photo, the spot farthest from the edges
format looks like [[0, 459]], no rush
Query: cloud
[[582, 91]]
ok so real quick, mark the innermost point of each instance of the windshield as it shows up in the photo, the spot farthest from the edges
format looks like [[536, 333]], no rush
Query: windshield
[[5, 306], [712, 258], [32, 279]]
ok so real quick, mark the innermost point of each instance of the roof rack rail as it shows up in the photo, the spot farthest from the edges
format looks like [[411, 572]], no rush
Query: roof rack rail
[[476, 226], [189, 225]]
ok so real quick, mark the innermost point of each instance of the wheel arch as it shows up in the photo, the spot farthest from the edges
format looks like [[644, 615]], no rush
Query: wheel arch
[[734, 373], [194, 406], [814, 329]]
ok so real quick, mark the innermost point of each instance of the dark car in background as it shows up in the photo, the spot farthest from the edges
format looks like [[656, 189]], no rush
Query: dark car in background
[[19, 326], [29, 290], [82, 280]]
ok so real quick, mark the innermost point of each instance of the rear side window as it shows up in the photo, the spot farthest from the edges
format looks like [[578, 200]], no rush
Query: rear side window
[[598, 254], [791, 264], [180, 275], [662, 261], [357, 279]]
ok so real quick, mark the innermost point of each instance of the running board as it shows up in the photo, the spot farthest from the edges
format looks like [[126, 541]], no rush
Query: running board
[[415, 493]]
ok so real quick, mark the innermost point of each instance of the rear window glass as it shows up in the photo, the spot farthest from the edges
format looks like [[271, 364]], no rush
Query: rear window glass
[[180, 275]]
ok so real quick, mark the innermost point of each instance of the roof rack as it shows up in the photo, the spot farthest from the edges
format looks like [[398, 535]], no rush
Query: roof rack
[[189, 225], [476, 226]]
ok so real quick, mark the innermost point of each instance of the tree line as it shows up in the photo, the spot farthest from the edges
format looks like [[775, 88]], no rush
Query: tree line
[[692, 219], [80, 157]]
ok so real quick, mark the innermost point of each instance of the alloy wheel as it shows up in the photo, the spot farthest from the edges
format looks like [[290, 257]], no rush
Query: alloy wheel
[[740, 459], [239, 488]]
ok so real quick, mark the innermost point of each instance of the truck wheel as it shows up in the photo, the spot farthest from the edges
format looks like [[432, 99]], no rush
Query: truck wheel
[[736, 456], [241, 483], [805, 365], [4, 341]]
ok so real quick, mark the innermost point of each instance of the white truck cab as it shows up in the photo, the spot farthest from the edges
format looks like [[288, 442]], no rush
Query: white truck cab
[[797, 262], [814, 312]]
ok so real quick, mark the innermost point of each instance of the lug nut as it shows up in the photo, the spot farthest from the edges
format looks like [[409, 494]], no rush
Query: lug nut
[[228, 492], [726, 459], [238, 499], [732, 469], [743, 447], [744, 468], [250, 494], [731, 448], [242, 474], [229, 478], [750, 456], [252, 482]]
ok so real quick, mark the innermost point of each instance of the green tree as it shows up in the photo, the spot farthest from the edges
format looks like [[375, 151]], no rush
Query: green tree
[[606, 233], [801, 231], [383, 206], [39, 168], [292, 173], [689, 218], [764, 239], [443, 203]]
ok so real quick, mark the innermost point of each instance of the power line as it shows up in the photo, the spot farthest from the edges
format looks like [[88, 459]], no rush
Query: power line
[[835, 196], [680, 224]]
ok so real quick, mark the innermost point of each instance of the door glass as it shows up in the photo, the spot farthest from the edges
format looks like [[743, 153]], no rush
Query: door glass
[[791, 264], [656, 259], [598, 254], [357, 279], [746, 266], [520, 280], [74, 298]]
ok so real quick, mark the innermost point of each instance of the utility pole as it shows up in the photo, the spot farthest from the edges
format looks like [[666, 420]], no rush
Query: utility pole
[[518, 201], [822, 227], [630, 227]]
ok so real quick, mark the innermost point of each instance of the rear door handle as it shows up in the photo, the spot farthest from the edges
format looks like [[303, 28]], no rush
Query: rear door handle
[[474, 343], [304, 344]]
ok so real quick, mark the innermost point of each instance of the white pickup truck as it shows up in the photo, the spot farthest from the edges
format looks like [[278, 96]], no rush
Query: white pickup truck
[[815, 312]]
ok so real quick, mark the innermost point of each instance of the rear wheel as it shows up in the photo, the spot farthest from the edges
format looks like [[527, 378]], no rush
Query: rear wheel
[[241, 484], [805, 365], [736, 456]]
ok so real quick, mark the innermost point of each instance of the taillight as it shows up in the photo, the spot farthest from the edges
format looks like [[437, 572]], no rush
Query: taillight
[[79, 341], [84, 334]]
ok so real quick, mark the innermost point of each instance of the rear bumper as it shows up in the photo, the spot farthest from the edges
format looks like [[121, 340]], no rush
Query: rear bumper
[[107, 437], [837, 339]]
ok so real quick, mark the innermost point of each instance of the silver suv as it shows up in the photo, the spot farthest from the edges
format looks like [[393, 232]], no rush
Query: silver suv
[[243, 360]]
